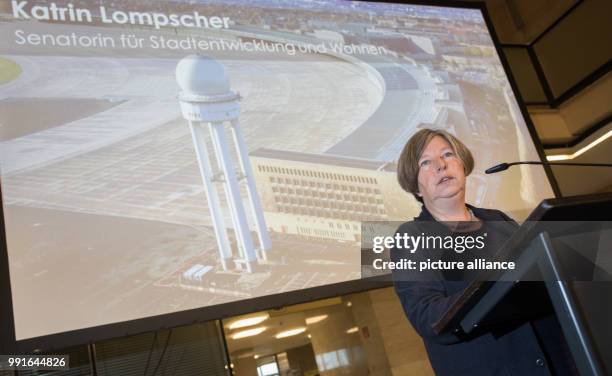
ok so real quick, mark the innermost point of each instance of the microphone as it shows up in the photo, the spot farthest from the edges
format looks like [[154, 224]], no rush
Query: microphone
[[505, 166]]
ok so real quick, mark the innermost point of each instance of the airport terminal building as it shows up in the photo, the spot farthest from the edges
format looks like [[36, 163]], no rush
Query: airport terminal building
[[322, 196]]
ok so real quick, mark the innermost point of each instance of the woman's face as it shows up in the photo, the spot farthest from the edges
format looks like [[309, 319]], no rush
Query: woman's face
[[441, 172]]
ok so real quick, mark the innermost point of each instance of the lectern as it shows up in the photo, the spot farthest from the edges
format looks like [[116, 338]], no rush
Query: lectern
[[567, 244]]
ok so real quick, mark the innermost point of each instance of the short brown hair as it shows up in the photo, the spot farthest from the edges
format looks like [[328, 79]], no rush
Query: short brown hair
[[408, 163]]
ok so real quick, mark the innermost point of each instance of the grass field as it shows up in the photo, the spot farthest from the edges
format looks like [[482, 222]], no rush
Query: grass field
[[9, 70]]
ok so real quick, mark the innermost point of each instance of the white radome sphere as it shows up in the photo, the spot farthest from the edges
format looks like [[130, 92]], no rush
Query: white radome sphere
[[201, 75]]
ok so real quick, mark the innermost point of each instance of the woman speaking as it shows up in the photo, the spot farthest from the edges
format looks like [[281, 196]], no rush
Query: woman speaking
[[433, 166]]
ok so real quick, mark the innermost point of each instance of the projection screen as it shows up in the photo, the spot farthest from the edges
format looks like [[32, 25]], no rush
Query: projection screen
[[158, 157]]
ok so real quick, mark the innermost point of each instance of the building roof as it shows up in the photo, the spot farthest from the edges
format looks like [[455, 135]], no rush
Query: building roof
[[321, 159]]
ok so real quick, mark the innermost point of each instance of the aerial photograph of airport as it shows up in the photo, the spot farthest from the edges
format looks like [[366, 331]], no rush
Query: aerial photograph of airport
[[163, 156]]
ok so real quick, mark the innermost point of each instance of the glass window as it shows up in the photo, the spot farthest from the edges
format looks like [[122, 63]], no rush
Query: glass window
[[268, 369], [343, 357], [330, 360]]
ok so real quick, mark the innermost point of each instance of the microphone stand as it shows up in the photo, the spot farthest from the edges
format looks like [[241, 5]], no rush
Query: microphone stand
[[505, 166]]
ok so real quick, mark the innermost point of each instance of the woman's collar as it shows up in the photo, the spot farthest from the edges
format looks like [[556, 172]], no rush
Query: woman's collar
[[483, 214]]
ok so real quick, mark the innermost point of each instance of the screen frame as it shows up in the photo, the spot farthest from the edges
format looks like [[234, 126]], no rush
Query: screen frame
[[9, 344]]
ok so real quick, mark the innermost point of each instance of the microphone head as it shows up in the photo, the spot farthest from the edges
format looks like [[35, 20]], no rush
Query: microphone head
[[498, 168]]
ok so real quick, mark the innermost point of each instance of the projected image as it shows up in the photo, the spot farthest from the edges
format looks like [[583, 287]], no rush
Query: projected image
[[163, 156]]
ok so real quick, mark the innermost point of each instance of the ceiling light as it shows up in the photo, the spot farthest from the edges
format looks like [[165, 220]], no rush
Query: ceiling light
[[315, 319], [248, 321], [248, 332], [291, 332], [564, 157], [352, 330]]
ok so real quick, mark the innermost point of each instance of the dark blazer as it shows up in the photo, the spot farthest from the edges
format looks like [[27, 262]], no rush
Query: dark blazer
[[527, 345]]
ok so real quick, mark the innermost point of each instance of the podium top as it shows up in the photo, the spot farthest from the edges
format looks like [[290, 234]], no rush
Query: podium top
[[595, 207]]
